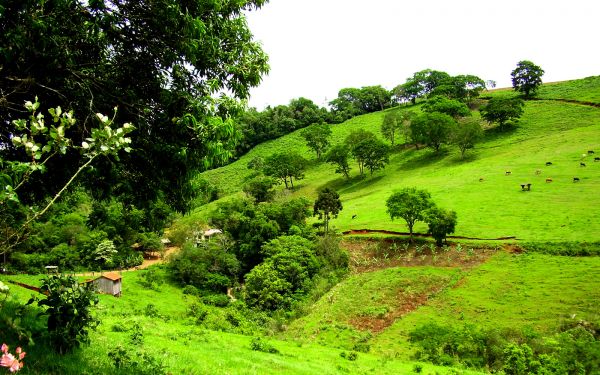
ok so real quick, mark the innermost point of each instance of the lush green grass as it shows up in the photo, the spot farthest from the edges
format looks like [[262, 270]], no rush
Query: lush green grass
[[186, 348], [585, 89], [496, 207], [526, 291]]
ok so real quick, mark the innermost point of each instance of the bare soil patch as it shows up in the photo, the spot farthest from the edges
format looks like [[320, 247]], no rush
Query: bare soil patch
[[371, 254]]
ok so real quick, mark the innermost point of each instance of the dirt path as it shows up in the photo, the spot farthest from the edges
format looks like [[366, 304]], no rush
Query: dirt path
[[145, 264]]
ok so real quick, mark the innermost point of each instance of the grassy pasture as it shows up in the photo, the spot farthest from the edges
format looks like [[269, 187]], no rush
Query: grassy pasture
[[518, 291], [496, 207], [185, 348]]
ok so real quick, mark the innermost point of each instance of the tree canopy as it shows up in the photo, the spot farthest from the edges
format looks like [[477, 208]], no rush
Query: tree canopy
[[527, 78], [409, 204], [502, 110], [326, 206], [165, 64], [317, 138]]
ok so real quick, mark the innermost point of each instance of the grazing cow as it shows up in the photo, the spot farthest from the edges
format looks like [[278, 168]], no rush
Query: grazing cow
[[590, 152], [354, 216], [538, 171], [548, 163], [480, 179], [548, 180], [507, 173], [597, 158], [582, 164], [575, 179]]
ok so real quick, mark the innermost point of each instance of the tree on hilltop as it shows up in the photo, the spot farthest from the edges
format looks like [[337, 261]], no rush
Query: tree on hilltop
[[527, 78]]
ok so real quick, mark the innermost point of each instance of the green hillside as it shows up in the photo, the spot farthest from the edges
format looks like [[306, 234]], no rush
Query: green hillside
[[549, 131]]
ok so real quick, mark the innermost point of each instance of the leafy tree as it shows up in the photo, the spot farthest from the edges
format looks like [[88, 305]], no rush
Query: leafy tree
[[441, 222], [391, 125], [67, 306], [317, 138], [375, 155], [433, 129], [527, 78], [251, 225], [502, 110], [210, 265], [352, 101], [257, 163], [450, 107], [163, 63], [285, 166], [409, 204], [464, 88], [260, 188], [357, 142], [326, 206], [466, 134], [42, 143], [289, 265], [338, 155], [267, 289]]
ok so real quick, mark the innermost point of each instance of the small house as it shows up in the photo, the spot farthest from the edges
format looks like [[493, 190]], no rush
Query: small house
[[109, 283]]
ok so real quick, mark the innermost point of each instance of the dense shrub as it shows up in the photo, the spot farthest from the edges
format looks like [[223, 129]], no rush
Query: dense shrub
[[210, 266], [67, 306], [576, 350], [290, 263]]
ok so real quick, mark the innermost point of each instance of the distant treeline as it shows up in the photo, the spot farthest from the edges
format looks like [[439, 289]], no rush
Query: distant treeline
[[273, 122]]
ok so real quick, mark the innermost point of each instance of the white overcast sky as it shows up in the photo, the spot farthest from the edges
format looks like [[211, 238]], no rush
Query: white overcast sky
[[317, 47]]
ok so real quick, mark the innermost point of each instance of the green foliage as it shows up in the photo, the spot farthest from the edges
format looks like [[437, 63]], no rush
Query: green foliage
[[285, 166], [359, 142], [289, 265], [257, 127], [104, 253], [375, 155], [527, 78], [260, 188], [209, 266], [433, 129], [317, 138], [451, 107], [79, 54], [441, 222], [466, 134], [261, 345], [392, 124], [338, 155], [409, 204], [251, 225], [139, 362], [326, 206], [352, 102], [502, 110], [67, 305]]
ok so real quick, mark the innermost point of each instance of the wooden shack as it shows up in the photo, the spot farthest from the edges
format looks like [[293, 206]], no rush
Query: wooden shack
[[109, 283]]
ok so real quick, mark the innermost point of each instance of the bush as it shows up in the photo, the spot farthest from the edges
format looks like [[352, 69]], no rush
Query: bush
[[261, 345], [218, 300], [209, 266], [68, 309]]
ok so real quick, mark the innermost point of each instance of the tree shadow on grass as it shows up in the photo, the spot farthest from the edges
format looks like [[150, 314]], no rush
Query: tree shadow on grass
[[423, 160], [342, 185], [497, 132]]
